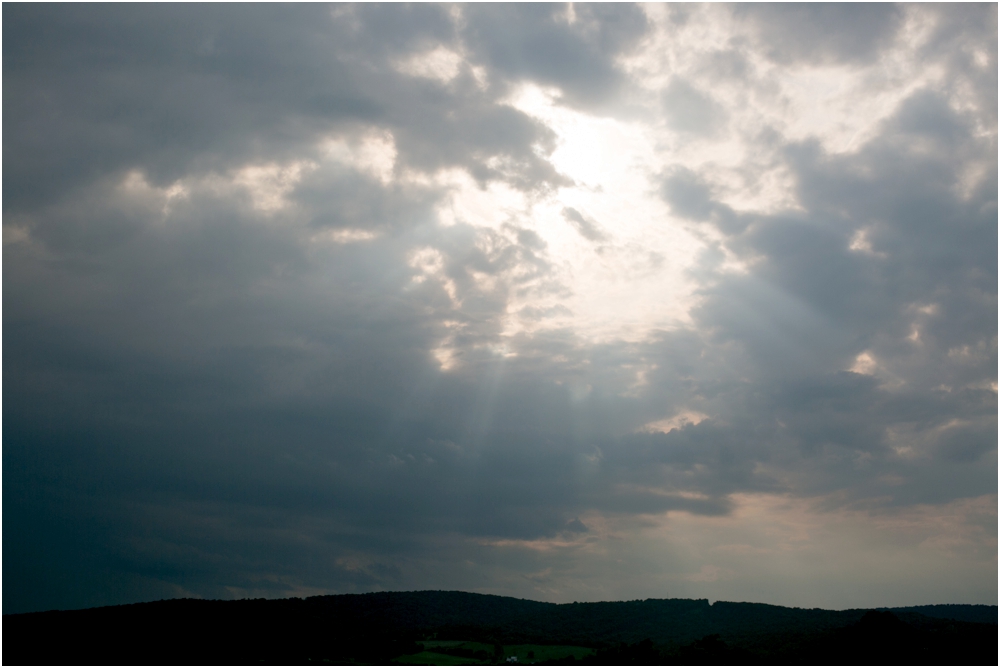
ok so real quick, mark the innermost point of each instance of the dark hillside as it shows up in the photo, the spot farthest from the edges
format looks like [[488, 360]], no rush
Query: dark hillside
[[380, 627], [981, 614]]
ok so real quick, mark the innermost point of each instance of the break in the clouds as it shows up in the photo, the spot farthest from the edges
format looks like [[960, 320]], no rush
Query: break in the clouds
[[569, 302]]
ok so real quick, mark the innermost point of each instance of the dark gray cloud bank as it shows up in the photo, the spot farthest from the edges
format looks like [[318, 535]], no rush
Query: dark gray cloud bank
[[309, 299]]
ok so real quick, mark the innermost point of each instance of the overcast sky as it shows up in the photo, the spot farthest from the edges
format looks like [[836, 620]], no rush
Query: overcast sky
[[569, 303]]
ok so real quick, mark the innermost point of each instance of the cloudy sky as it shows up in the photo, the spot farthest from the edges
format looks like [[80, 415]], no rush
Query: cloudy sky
[[569, 302]]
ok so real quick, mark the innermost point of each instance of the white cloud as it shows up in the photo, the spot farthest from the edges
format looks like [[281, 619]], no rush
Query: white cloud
[[440, 64], [371, 152], [677, 421]]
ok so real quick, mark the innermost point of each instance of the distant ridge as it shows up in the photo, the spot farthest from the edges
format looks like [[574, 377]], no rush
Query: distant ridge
[[378, 627], [983, 614]]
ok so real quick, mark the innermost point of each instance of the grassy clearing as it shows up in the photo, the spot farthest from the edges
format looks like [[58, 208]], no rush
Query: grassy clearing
[[451, 653], [457, 644], [445, 653], [536, 653], [436, 659]]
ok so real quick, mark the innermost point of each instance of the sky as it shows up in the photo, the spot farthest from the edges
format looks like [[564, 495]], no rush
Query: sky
[[562, 302]]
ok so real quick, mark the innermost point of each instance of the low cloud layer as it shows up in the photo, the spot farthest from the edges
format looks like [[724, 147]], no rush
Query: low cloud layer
[[561, 302]]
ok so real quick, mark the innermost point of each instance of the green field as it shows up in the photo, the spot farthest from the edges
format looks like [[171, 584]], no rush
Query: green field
[[450, 653], [544, 652], [437, 659], [466, 653], [457, 644]]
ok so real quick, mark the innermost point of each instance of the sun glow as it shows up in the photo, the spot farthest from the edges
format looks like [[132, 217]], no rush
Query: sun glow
[[612, 241]]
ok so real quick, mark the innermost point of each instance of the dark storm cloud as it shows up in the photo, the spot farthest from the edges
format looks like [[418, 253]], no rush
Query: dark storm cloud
[[99, 89], [690, 197], [203, 348], [212, 397], [540, 42], [94, 90], [814, 303]]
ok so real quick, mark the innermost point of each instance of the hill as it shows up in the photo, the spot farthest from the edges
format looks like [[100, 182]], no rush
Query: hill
[[411, 627]]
